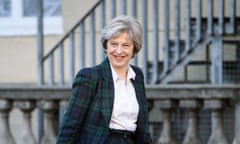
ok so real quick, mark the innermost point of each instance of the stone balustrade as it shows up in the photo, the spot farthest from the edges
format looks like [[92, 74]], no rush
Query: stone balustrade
[[192, 99]]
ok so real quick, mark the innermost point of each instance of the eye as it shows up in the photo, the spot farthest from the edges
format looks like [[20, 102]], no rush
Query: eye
[[113, 44], [126, 46]]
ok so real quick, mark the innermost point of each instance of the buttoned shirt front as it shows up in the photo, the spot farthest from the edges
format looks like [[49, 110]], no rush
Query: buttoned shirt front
[[125, 107]]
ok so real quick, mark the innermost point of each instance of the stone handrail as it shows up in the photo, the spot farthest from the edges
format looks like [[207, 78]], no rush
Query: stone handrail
[[167, 98], [192, 98]]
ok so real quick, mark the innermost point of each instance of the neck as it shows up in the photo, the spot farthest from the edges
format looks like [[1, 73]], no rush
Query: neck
[[121, 72]]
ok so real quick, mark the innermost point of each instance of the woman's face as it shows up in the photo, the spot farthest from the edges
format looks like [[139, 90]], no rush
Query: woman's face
[[120, 51]]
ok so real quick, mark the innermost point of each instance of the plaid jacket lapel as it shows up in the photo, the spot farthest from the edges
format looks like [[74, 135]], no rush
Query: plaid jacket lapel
[[106, 90], [140, 92]]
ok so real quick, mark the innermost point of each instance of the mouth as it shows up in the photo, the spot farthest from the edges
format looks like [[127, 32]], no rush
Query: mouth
[[119, 57]]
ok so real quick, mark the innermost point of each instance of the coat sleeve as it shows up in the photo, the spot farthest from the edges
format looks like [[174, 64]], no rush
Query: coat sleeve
[[78, 106]]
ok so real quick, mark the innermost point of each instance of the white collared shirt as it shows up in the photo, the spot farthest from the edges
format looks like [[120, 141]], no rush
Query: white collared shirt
[[125, 107]]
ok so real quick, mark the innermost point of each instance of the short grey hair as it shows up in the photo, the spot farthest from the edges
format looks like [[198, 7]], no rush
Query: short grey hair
[[119, 25]]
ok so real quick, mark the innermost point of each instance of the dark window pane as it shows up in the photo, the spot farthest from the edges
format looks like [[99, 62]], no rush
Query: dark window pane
[[51, 7], [5, 8]]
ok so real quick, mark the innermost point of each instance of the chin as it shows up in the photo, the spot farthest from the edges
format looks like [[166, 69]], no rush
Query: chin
[[117, 65]]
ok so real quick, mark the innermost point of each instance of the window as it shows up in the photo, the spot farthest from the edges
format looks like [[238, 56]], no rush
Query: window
[[5, 8], [19, 17]]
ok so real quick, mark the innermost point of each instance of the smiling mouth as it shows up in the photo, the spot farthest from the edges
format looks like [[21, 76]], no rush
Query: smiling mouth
[[118, 57]]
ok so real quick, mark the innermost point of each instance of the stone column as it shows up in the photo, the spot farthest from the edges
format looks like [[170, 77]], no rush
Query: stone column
[[217, 136], [192, 136], [5, 134], [26, 107], [49, 108], [166, 107], [237, 119]]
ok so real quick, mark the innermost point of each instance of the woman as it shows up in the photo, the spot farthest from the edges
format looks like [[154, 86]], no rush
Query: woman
[[108, 103]]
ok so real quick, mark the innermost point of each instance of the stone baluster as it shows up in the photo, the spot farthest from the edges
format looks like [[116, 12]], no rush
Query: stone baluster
[[62, 108], [27, 134], [5, 134], [166, 107], [49, 108], [237, 119], [217, 136], [192, 136], [234, 141]]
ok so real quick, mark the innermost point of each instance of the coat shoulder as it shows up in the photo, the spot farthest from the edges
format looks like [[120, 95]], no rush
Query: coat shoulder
[[137, 70], [88, 72]]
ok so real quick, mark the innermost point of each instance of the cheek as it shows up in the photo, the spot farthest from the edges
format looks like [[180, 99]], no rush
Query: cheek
[[131, 53], [108, 52]]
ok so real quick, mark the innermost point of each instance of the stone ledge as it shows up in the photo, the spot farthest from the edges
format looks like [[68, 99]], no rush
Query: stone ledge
[[193, 91], [34, 92]]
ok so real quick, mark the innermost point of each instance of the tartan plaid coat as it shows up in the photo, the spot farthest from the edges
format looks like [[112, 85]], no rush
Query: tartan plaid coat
[[86, 120]]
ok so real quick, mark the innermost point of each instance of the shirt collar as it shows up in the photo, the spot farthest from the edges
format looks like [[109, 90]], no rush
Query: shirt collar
[[130, 74]]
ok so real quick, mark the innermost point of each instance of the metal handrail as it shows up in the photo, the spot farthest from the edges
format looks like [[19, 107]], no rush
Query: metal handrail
[[175, 55], [71, 30]]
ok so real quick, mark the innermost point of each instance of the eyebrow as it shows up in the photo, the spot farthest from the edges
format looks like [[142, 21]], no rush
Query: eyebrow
[[128, 42]]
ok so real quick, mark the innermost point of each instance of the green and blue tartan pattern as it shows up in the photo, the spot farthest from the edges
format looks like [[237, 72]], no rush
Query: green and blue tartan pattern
[[86, 120]]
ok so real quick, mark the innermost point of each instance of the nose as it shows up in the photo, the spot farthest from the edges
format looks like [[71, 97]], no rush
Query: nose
[[119, 50]]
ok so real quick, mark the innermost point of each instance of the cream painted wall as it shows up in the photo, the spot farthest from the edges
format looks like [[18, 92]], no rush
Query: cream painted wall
[[18, 58], [18, 55], [73, 10]]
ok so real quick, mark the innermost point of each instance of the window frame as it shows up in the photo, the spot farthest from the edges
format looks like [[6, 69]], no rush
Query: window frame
[[18, 25]]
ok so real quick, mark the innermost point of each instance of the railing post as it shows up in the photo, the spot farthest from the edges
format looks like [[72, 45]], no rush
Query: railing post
[[188, 27], [5, 134], [217, 136], [232, 15], [210, 17], [166, 107], [237, 120], [103, 20], [92, 39], [123, 7], [113, 8], [217, 60], [134, 14], [49, 108], [155, 43], [26, 107], [198, 35], [51, 70], [166, 38], [40, 42], [134, 8], [61, 65], [82, 56], [71, 57], [192, 136], [221, 28], [40, 62], [145, 40], [177, 32]]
